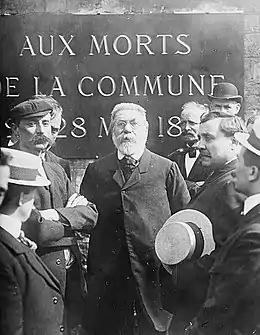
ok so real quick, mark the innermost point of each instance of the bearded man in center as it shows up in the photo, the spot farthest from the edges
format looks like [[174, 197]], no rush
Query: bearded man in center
[[135, 191]]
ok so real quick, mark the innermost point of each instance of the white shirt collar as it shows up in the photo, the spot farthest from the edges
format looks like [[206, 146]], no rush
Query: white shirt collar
[[11, 225], [136, 156], [251, 202]]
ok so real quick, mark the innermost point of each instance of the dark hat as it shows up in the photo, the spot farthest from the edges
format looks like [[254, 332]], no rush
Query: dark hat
[[252, 141], [225, 91], [24, 168], [187, 234], [30, 108]]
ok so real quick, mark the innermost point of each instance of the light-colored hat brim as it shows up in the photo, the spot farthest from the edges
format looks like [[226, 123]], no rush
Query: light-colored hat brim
[[175, 245], [40, 181], [242, 138]]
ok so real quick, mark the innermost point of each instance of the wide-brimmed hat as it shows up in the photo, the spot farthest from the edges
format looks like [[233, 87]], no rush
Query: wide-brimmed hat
[[30, 108], [24, 168], [225, 91], [251, 141], [187, 234]]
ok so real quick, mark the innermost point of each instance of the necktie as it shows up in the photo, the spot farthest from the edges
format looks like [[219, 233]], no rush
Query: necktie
[[26, 241], [191, 151], [128, 164]]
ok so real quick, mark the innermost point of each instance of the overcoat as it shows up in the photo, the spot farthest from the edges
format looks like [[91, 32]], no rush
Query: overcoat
[[31, 300], [233, 300], [51, 157], [221, 203], [130, 215]]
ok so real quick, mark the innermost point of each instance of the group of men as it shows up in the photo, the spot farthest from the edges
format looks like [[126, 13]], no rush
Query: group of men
[[125, 199]]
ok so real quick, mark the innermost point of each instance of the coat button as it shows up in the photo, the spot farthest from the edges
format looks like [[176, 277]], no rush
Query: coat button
[[62, 329], [55, 300], [58, 261]]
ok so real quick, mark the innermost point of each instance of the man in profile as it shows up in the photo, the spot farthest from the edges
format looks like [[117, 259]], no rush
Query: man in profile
[[232, 305], [219, 201], [135, 191], [187, 157]]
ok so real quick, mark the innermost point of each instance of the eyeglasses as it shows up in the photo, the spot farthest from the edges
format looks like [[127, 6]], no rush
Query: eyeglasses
[[122, 124], [184, 123]]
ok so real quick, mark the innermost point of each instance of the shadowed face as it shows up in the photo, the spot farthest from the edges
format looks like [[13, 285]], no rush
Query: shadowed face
[[215, 147], [130, 131], [4, 177], [241, 175]]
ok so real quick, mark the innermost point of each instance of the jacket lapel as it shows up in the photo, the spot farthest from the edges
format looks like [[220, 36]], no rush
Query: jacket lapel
[[32, 259], [50, 173]]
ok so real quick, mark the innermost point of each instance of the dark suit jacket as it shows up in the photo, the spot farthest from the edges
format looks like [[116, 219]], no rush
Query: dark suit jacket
[[31, 301], [233, 301], [51, 157], [131, 214], [52, 236], [219, 201], [198, 171]]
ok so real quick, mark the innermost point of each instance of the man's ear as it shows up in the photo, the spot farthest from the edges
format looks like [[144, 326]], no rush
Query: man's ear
[[254, 173]]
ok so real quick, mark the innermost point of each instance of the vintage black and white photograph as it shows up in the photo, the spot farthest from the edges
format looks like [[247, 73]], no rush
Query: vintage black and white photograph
[[130, 167]]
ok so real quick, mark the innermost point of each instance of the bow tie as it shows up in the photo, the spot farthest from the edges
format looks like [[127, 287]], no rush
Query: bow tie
[[191, 151]]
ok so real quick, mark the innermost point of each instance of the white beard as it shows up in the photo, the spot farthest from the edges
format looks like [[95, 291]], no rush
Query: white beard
[[130, 147]]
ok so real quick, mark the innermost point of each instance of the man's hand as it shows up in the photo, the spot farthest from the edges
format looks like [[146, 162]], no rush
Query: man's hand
[[50, 214], [77, 200]]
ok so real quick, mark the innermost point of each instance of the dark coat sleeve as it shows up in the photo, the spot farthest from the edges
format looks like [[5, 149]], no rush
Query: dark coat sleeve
[[78, 218], [233, 301], [11, 304], [177, 190]]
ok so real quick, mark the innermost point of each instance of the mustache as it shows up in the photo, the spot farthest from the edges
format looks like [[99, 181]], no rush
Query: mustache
[[185, 132], [40, 139], [204, 152]]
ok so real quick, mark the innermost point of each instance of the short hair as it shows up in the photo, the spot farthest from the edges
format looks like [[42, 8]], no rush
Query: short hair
[[123, 106], [229, 124], [194, 104], [4, 158], [251, 159]]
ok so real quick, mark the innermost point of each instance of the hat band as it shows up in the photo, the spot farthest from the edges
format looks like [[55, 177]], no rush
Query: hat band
[[20, 173], [254, 140], [199, 245]]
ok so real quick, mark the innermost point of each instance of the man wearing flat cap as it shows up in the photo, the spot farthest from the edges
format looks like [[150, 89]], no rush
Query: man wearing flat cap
[[31, 297], [233, 300], [60, 213], [225, 98]]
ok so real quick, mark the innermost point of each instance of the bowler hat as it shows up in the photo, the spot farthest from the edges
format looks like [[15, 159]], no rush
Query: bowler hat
[[187, 234], [252, 141], [30, 108], [24, 168], [225, 91]]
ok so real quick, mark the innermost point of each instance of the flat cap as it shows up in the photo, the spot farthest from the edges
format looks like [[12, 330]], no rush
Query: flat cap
[[30, 108]]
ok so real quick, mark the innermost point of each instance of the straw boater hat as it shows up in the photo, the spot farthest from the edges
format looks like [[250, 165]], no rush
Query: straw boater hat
[[225, 91], [24, 168], [252, 141], [187, 234]]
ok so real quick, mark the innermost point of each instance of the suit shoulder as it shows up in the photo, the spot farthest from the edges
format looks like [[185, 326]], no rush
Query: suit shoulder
[[164, 161]]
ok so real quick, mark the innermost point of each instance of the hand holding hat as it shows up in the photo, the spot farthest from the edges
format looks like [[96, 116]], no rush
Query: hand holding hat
[[186, 235]]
